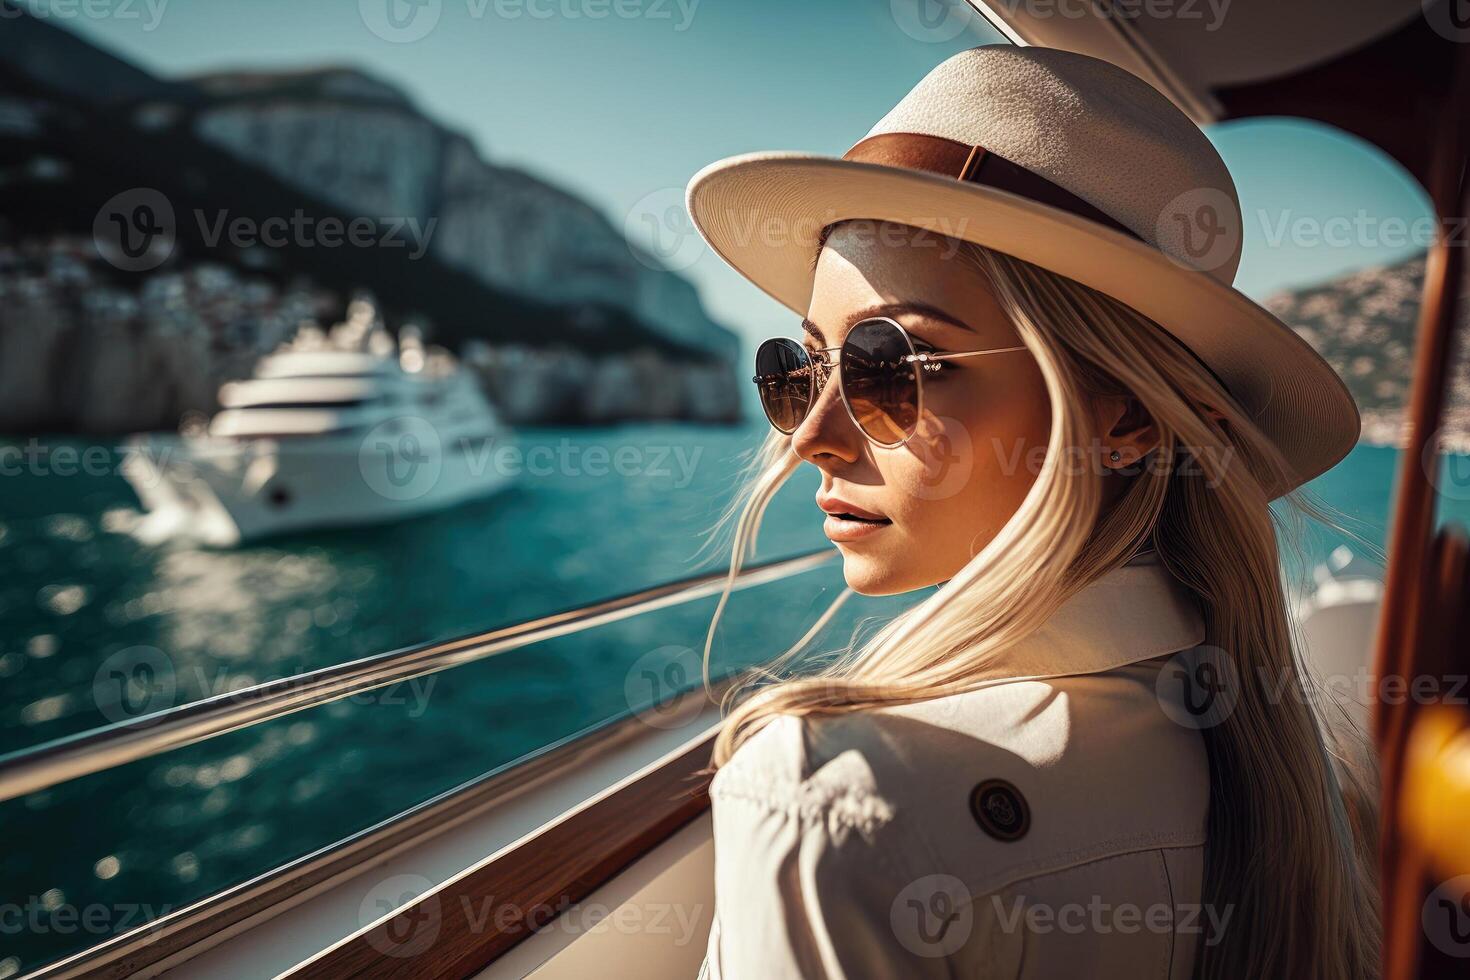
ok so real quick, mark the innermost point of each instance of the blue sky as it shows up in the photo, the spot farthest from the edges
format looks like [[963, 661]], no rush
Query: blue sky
[[621, 101]]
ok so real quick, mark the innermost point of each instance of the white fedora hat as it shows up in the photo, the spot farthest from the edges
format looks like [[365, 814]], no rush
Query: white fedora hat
[[1070, 163]]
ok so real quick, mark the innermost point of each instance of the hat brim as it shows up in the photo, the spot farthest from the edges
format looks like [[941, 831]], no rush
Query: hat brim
[[763, 212]]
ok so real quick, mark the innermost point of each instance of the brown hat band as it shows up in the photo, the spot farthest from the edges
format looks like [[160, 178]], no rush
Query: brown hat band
[[975, 165]]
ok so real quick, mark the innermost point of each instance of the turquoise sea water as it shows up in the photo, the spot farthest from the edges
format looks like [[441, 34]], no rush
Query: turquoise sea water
[[79, 596]]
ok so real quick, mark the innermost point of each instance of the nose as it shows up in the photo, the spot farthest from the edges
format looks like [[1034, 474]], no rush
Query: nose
[[827, 436]]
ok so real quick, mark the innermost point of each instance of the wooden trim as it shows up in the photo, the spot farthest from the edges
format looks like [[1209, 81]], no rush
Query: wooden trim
[[189, 931], [1413, 519], [1425, 817], [1437, 791], [1406, 633], [462, 926], [1436, 800]]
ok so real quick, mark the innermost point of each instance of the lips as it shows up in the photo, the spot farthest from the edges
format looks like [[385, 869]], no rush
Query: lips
[[847, 521], [842, 508]]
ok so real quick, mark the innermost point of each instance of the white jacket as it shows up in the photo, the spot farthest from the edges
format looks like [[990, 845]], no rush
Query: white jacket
[[1050, 824]]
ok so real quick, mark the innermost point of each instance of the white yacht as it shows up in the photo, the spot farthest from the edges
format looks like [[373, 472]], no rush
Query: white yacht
[[339, 428]]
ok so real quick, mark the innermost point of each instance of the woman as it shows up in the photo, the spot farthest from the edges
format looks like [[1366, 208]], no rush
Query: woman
[[1026, 379]]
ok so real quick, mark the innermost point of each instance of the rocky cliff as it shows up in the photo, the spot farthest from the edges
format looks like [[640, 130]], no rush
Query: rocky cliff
[[362, 145], [79, 353], [564, 319], [1364, 324]]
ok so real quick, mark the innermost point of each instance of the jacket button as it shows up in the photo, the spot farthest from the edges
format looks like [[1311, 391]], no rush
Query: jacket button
[[1000, 810]]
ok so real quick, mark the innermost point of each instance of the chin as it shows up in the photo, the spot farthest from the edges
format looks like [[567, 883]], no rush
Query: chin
[[874, 576]]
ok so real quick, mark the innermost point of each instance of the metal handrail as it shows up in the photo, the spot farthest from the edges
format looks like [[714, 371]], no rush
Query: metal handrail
[[192, 929], [64, 759]]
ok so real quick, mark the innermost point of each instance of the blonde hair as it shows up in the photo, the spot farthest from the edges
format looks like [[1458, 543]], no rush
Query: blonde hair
[[1289, 851]]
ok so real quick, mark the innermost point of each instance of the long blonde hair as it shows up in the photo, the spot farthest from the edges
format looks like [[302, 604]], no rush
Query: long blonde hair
[[1290, 848]]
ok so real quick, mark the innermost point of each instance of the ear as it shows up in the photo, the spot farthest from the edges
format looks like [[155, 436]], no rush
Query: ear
[[1128, 431]]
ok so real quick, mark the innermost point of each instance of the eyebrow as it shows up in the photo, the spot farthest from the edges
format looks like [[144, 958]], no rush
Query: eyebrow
[[891, 310]]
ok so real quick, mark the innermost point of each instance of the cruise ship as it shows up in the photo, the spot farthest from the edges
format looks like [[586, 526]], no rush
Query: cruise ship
[[339, 428]]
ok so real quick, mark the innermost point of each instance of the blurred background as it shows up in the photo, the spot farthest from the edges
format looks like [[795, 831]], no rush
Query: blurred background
[[331, 328]]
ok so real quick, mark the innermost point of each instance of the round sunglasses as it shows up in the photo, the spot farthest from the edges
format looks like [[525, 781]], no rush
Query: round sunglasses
[[879, 372]]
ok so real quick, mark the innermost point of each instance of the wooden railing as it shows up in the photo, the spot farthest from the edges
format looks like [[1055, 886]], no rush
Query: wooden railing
[[456, 930], [1422, 745]]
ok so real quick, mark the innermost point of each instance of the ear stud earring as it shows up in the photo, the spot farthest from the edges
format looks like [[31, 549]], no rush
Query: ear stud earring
[[1115, 456]]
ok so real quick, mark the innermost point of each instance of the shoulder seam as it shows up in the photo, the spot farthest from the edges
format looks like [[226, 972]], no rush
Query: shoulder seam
[[825, 796], [860, 811]]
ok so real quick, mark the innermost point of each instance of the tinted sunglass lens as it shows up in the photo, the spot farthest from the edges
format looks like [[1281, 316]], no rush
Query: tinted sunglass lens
[[783, 376], [881, 387]]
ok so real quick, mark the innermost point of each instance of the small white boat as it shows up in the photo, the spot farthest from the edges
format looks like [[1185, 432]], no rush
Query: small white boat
[[1339, 623], [337, 429]]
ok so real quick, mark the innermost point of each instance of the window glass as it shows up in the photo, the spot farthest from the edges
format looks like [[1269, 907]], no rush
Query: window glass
[[437, 207]]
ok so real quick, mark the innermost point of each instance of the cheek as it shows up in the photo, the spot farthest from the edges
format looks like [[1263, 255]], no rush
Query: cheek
[[978, 449]]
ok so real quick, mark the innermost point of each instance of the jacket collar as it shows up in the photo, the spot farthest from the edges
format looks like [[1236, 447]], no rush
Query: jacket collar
[[1136, 612]]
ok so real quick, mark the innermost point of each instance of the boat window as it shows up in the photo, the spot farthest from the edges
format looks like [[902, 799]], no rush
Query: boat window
[[576, 297], [1336, 235], [1335, 239]]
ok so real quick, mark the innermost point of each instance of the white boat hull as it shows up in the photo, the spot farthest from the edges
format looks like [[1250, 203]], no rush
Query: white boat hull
[[221, 492]]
